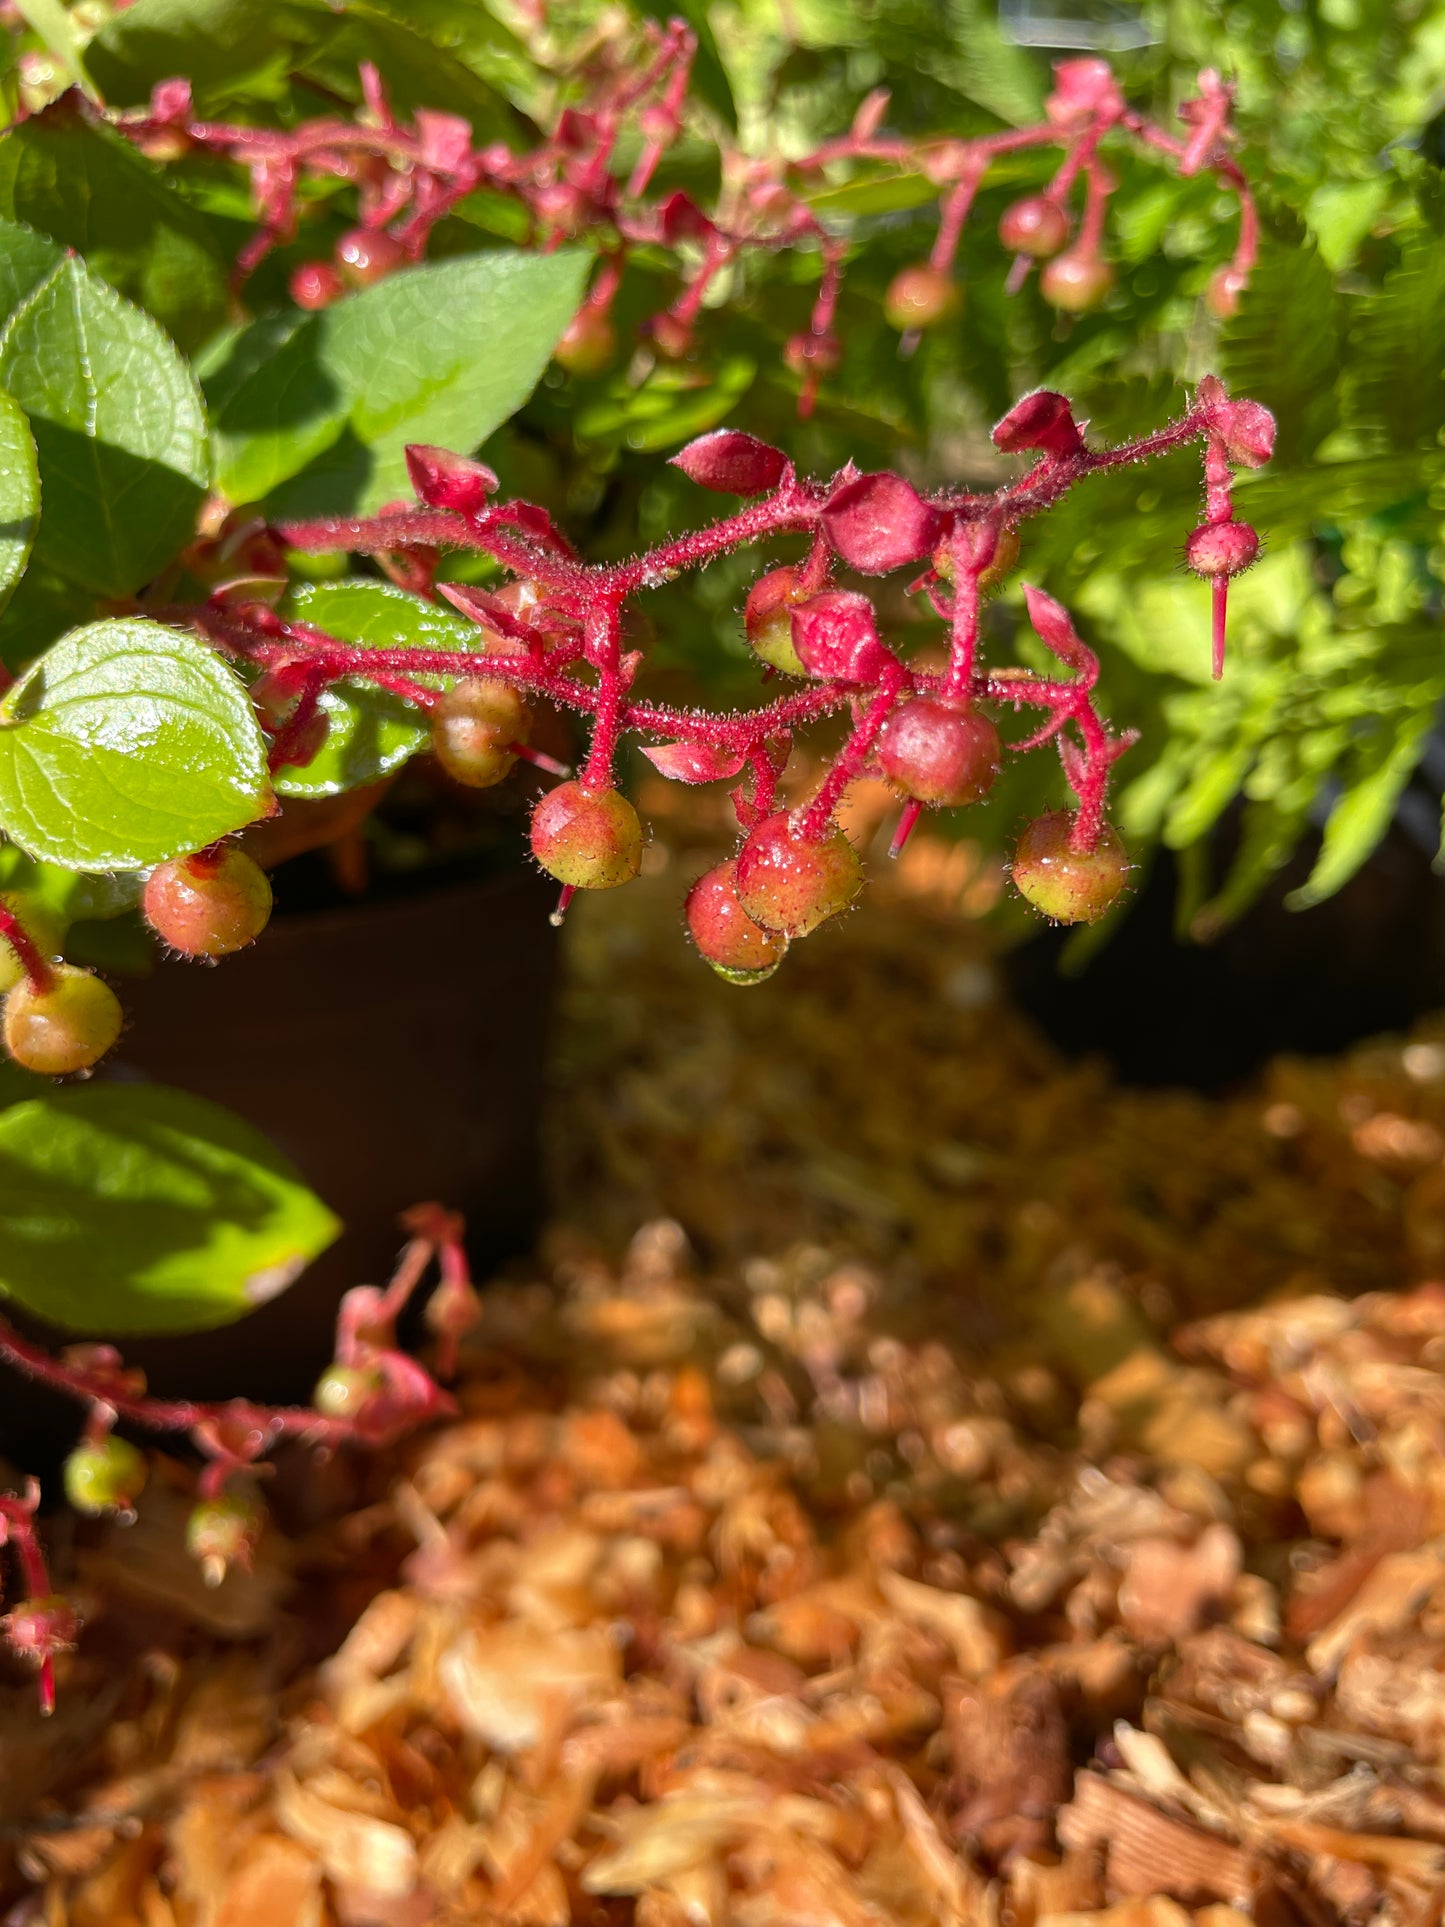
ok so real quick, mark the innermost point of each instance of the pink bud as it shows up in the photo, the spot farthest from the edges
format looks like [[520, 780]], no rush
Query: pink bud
[[836, 637], [878, 522], [446, 139], [869, 117], [1055, 627], [446, 481], [575, 130], [1221, 548], [1042, 420], [1247, 431], [171, 101], [732, 463], [1082, 89], [681, 219], [693, 762]]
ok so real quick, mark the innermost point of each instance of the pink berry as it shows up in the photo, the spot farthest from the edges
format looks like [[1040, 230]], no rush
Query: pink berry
[[790, 883], [822, 354], [368, 254], [590, 839], [1221, 297], [1076, 282], [316, 284], [726, 936], [671, 337], [589, 345], [1221, 548], [1035, 225], [209, 904], [224, 1532], [66, 1024], [1071, 886], [768, 619], [939, 751], [921, 296]]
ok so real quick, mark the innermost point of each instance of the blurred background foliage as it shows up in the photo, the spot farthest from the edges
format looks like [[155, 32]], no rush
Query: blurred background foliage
[[1336, 675]]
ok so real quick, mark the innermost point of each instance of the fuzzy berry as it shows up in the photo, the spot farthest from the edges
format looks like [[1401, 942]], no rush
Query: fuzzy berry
[[768, 619], [940, 752], [224, 1532], [1071, 886], [209, 904], [589, 344], [921, 296], [726, 936], [316, 284], [1221, 549], [104, 1475], [366, 255], [475, 728], [590, 839], [1035, 225], [1075, 283], [790, 883], [66, 1025], [344, 1391]]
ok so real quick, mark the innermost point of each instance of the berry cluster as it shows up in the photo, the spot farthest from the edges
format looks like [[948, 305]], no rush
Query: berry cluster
[[410, 177], [370, 1395]]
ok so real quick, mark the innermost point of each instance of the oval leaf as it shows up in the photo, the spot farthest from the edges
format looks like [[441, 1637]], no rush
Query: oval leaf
[[119, 427], [133, 1208], [19, 495], [370, 731], [126, 744]]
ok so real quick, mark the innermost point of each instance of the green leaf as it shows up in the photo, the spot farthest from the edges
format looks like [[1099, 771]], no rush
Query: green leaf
[[127, 744], [120, 429], [25, 260], [371, 731], [1362, 815], [133, 1208], [443, 353], [19, 495], [273, 405], [88, 189], [226, 48]]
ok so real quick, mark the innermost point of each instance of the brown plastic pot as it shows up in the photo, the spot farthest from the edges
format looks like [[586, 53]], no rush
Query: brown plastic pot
[[394, 1051]]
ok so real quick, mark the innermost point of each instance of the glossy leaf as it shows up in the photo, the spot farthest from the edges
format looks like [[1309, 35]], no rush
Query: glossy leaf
[[133, 1208], [26, 258], [228, 48], [88, 189], [371, 732], [119, 427], [126, 744], [19, 495]]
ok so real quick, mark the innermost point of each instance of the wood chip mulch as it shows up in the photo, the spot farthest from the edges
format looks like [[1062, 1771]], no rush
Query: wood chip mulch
[[974, 1495]]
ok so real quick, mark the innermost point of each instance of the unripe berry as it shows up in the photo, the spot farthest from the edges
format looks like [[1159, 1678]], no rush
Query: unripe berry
[[672, 337], [921, 296], [1071, 886], [790, 883], [1075, 282], [209, 904], [1005, 561], [1035, 225], [822, 354], [726, 936], [590, 839], [104, 1475], [939, 751], [316, 284], [768, 619], [224, 1532], [589, 345], [366, 255], [67, 1025], [475, 728], [342, 1391], [162, 144], [1221, 549]]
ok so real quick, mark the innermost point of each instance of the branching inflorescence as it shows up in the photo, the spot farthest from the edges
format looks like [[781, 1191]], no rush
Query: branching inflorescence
[[409, 178], [371, 1394], [558, 629]]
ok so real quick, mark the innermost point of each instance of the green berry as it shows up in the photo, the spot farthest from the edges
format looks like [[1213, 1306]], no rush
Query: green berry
[[590, 839], [474, 730], [768, 619], [224, 1532], [66, 1025], [342, 1391], [104, 1475], [1069, 885]]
